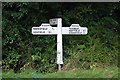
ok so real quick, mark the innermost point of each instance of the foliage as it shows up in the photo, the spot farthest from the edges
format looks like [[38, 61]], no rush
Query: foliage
[[100, 47]]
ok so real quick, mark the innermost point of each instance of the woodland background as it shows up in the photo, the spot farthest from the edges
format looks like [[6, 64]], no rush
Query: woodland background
[[23, 51]]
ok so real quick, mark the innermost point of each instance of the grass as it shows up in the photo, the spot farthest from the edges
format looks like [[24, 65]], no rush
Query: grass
[[96, 73], [91, 73], [25, 74]]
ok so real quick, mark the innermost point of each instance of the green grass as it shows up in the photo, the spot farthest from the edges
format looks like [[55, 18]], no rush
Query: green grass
[[96, 73], [91, 73], [25, 74]]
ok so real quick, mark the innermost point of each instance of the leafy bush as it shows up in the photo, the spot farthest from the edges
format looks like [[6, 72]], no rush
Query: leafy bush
[[100, 47]]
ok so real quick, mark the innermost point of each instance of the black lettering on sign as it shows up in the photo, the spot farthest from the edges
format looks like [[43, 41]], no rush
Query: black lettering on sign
[[35, 28], [73, 28], [40, 28], [36, 32], [43, 28], [39, 32], [42, 32], [76, 31], [84, 31], [46, 25]]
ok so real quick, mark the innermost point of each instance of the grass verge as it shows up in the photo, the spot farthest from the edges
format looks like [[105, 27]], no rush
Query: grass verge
[[91, 73]]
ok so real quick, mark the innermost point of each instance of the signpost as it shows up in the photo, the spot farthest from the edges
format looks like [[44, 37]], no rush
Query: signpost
[[47, 29]]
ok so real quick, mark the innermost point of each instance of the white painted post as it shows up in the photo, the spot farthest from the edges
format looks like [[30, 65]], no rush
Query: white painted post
[[59, 44], [46, 29]]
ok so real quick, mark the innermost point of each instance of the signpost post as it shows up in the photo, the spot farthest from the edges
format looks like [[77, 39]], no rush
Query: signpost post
[[47, 29], [59, 44]]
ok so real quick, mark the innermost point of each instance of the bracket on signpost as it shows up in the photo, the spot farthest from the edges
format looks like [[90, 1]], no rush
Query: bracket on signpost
[[47, 29], [53, 21]]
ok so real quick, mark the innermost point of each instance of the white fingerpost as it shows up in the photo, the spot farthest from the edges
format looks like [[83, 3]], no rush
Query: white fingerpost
[[47, 29], [59, 44]]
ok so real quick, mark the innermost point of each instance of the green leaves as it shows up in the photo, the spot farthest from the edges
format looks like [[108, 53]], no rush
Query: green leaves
[[13, 56], [100, 45], [35, 58]]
